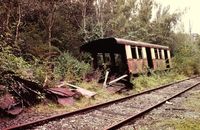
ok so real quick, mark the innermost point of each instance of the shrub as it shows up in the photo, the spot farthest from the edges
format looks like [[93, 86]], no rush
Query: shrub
[[32, 71], [13, 63], [186, 59], [68, 67]]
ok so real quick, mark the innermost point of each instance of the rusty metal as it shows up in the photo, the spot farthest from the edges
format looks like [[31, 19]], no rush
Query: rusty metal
[[9, 105], [62, 92], [124, 47], [15, 110], [138, 43], [66, 101], [64, 96], [119, 41], [6, 101], [119, 124], [54, 117]]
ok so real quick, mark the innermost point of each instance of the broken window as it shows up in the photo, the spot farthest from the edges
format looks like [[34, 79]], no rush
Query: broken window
[[160, 53], [100, 60], [140, 52], [133, 53], [120, 66], [156, 53]]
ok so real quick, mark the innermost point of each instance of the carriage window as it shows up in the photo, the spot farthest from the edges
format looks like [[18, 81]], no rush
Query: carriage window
[[133, 53], [156, 53], [100, 58], [140, 52], [107, 58], [160, 53]]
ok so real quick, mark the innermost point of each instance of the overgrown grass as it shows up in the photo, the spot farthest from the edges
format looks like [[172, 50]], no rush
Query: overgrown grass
[[193, 102], [147, 82], [141, 83], [175, 124], [102, 95]]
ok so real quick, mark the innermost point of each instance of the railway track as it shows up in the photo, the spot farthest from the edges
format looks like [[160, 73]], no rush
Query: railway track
[[113, 114]]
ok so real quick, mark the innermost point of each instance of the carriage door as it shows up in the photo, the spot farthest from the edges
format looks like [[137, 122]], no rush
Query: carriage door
[[149, 58]]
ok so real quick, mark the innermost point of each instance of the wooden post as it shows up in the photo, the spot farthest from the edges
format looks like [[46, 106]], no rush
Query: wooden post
[[159, 57], [144, 54], [137, 53], [163, 54], [128, 52], [153, 57], [117, 79], [106, 78], [153, 53], [169, 57]]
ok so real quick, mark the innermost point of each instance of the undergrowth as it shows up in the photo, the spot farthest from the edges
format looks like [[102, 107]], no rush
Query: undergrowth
[[141, 83], [147, 82]]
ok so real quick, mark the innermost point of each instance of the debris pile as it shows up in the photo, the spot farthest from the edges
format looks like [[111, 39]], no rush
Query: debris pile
[[63, 96], [17, 93]]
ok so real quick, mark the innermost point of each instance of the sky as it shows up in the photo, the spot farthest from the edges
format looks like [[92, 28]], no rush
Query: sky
[[191, 16]]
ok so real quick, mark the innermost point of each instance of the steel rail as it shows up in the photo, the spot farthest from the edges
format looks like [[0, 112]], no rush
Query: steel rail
[[67, 114], [131, 118]]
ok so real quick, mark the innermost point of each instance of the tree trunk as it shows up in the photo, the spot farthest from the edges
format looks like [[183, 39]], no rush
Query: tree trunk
[[18, 24], [84, 19], [7, 21], [49, 38]]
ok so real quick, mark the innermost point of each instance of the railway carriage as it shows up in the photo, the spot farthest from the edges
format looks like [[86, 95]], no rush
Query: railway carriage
[[125, 56]]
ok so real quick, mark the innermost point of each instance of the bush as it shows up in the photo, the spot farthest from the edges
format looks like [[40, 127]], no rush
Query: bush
[[65, 67], [186, 59], [10, 62], [68, 67], [13, 63]]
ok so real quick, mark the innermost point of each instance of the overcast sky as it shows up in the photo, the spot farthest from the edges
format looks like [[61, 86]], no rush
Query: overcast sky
[[191, 16]]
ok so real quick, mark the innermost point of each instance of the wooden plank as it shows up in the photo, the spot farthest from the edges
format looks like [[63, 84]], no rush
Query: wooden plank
[[115, 80], [83, 91]]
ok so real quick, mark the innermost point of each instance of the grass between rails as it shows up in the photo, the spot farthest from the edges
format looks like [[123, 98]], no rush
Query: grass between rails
[[141, 83]]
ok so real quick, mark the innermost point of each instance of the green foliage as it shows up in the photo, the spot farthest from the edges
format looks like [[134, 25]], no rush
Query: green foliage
[[69, 68], [186, 59], [13, 63], [10, 62]]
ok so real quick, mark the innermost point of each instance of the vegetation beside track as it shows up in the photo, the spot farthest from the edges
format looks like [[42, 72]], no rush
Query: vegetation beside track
[[186, 116], [35, 51], [146, 82], [141, 83]]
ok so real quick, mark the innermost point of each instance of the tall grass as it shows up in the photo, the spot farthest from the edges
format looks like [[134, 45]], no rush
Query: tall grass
[[147, 82]]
